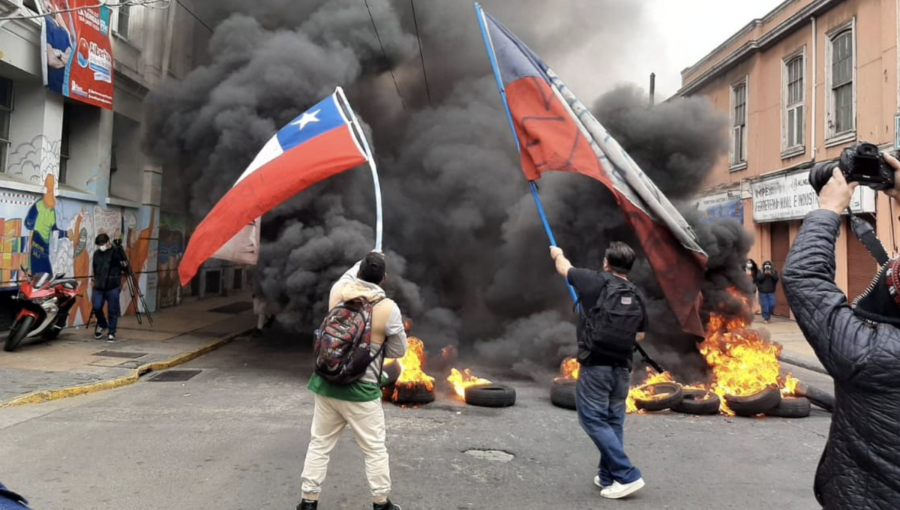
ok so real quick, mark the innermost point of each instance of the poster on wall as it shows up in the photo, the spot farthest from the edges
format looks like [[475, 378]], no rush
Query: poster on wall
[[77, 58], [721, 206]]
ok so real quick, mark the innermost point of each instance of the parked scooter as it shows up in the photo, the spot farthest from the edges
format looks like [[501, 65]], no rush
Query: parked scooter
[[46, 303]]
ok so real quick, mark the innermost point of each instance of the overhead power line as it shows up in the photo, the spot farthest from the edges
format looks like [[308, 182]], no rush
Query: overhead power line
[[194, 16], [412, 3], [129, 3], [384, 54]]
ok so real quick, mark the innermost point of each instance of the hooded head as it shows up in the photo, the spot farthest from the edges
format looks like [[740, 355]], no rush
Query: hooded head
[[372, 269], [880, 303]]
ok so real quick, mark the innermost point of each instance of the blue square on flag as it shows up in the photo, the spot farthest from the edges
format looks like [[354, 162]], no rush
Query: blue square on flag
[[321, 118]]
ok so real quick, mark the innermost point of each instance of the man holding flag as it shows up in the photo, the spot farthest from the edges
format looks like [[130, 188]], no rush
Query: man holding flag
[[554, 131]]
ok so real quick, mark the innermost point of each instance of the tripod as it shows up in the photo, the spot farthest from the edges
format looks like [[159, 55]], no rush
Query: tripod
[[134, 288]]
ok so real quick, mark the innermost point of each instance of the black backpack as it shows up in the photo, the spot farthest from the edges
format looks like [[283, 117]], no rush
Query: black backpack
[[612, 324]]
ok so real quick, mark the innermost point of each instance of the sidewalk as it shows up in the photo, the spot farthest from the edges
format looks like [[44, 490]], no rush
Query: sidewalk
[[76, 363]]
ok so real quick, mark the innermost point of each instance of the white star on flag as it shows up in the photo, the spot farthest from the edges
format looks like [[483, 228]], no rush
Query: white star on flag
[[306, 119]]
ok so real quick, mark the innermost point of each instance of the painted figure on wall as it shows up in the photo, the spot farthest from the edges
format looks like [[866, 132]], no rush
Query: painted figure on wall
[[171, 250], [41, 220], [82, 256]]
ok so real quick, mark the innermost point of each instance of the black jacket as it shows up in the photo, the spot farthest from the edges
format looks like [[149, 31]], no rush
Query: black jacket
[[860, 468], [108, 269], [766, 283]]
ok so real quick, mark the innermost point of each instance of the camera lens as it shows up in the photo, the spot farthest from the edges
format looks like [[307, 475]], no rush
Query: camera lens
[[820, 174]]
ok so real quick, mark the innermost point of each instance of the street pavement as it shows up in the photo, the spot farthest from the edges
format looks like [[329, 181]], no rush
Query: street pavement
[[76, 359], [234, 437]]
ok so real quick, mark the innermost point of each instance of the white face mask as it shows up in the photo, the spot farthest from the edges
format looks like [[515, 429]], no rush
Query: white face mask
[[104, 247]]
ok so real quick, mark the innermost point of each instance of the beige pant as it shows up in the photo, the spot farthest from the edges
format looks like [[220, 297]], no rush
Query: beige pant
[[366, 420]]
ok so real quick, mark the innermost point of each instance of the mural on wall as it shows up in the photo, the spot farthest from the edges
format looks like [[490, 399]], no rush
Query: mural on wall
[[33, 161], [172, 233], [56, 235]]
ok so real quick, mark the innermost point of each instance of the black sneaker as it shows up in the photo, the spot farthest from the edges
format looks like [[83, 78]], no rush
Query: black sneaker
[[308, 505], [98, 332], [386, 506], [111, 338]]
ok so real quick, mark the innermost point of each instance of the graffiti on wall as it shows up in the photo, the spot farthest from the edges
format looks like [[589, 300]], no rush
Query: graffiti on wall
[[55, 235], [172, 240], [33, 161]]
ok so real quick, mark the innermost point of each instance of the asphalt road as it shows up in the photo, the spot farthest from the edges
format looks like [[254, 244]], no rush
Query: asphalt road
[[234, 438]]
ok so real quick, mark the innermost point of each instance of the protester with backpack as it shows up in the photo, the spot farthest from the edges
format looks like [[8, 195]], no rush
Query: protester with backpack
[[362, 328], [612, 318]]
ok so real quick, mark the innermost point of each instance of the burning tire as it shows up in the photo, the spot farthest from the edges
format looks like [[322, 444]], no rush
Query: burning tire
[[562, 393], [392, 373], [791, 407], [663, 395], [412, 394], [493, 395], [698, 402], [752, 405]]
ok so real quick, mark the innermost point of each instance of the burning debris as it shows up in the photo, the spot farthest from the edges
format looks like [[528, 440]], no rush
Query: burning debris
[[413, 386], [461, 381], [744, 366]]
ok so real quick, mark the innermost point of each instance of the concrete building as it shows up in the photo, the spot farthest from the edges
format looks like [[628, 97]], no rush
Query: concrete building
[[70, 170], [798, 86]]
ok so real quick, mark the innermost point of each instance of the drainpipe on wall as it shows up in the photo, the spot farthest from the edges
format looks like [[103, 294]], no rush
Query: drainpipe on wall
[[815, 95]]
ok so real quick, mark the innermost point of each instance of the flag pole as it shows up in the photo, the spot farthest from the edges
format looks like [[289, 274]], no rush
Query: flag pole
[[379, 226], [534, 190]]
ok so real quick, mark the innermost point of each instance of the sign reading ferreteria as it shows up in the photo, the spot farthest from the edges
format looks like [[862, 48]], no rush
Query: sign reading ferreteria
[[791, 197]]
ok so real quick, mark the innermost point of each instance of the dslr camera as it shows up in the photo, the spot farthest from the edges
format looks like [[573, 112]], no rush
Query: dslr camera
[[862, 163]]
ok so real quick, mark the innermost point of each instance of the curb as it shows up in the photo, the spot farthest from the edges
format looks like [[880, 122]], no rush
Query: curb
[[41, 396], [803, 362]]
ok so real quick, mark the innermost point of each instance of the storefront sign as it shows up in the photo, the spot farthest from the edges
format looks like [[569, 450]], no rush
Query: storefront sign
[[77, 57], [721, 206], [790, 197]]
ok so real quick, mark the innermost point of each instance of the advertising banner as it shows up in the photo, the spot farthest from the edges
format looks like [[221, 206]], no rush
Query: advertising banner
[[721, 206], [77, 57], [790, 197]]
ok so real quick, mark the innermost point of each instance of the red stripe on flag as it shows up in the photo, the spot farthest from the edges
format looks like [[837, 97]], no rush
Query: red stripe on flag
[[550, 140], [307, 164]]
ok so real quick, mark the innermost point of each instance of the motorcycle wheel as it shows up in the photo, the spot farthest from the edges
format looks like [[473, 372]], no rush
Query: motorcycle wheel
[[18, 333]]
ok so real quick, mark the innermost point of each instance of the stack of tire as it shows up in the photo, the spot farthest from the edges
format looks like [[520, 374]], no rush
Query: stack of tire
[[769, 402]]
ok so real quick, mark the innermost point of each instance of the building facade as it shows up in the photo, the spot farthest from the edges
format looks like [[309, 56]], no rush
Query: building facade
[[799, 85], [71, 170]]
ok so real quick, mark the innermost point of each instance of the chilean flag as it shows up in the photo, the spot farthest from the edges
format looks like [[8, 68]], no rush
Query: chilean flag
[[318, 144], [557, 133]]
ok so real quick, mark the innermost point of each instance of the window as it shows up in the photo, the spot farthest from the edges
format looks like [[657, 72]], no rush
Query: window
[[64, 143], [6, 107], [841, 75], [31, 5], [794, 96], [123, 20], [739, 125]]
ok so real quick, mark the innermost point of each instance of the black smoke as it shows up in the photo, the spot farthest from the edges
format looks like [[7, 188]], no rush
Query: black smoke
[[467, 256]]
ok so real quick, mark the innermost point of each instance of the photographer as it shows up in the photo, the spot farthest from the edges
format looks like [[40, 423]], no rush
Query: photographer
[[860, 349], [766, 283], [108, 264]]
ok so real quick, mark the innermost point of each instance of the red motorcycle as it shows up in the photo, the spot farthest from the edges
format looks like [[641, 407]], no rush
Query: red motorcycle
[[46, 303]]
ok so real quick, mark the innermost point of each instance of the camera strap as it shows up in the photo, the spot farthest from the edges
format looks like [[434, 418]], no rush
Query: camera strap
[[863, 231]]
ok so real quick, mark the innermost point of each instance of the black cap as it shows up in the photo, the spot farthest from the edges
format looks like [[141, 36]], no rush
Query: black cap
[[372, 269]]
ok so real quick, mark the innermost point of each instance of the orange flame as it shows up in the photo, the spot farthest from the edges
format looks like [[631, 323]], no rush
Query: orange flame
[[643, 392], [462, 380], [569, 369], [412, 365]]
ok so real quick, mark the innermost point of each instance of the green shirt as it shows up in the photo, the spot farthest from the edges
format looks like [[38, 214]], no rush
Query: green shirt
[[46, 220], [356, 392]]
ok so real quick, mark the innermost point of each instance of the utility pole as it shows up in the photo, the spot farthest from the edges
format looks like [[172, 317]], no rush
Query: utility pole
[[652, 87]]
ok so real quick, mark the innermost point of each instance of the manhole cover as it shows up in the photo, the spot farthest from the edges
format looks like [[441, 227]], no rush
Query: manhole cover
[[175, 375], [234, 308], [491, 455], [120, 354]]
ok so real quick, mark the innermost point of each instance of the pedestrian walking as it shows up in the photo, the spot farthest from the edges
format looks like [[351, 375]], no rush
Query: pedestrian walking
[[108, 263], [612, 318], [767, 282], [363, 328]]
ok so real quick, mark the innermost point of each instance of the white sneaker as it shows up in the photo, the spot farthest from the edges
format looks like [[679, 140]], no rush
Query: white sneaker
[[618, 490], [597, 482]]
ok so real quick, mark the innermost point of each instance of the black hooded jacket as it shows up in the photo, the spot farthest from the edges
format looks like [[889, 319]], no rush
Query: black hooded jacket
[[860, 468], [766, 283], [108, 268]]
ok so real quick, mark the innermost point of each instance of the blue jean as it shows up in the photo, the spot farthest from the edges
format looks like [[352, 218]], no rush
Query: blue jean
[[767, 302], [111, 298], [600, 399]]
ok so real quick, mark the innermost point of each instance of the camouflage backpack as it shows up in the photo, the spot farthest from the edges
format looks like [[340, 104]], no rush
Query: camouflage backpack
[[342, 342]]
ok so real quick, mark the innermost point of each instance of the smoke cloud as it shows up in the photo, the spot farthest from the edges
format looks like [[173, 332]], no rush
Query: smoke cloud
[[467, 256]]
